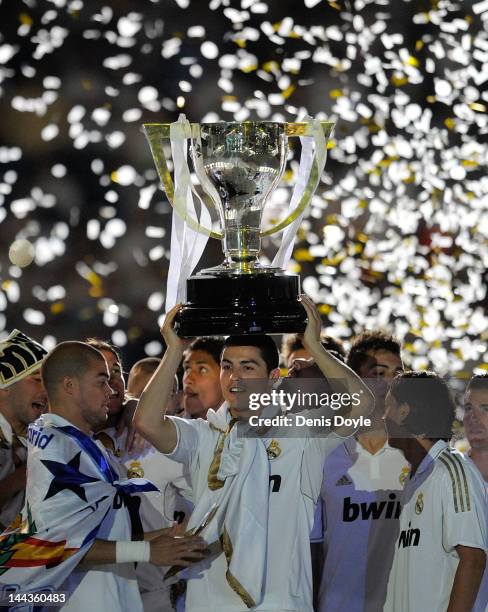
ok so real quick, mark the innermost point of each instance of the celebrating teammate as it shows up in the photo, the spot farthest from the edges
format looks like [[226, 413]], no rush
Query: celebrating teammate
[[255, 496], [22, 401], [77, 508], [476, 428], [440, 552], [201, 377], [361, 493]]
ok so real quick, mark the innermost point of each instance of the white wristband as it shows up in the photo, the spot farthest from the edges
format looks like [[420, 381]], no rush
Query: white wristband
[[132, 552]]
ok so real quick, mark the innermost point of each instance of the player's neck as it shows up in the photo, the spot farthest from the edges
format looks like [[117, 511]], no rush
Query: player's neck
[[73, 416], [372, 440], [374, 437], [479, 457], [415, 450]]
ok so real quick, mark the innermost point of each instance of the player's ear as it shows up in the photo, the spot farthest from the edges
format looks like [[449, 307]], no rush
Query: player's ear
[[403, 411], [274, 374], [68, 384]]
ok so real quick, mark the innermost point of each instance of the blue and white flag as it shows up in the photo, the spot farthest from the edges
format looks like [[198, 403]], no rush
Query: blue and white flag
[[72, 490]]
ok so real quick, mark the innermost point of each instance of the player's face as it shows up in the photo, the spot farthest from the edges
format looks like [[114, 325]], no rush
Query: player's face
[[238, 365], [201, 383], [93, 394], [476, 418], [379, 369], [116, 382], [28, 399]]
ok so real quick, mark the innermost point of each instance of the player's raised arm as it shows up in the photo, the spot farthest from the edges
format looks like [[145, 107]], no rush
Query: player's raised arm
[[331, 367], [149, 418]]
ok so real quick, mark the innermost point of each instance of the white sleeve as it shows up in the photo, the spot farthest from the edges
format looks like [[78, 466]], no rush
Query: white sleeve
[[464, 505], [187, 440]]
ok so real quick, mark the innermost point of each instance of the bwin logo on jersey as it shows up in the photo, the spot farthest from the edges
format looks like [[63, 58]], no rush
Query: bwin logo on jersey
[[371, 511], [409, 537]]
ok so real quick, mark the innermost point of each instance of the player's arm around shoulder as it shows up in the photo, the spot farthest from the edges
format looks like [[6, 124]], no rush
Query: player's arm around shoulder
[[149, 418]]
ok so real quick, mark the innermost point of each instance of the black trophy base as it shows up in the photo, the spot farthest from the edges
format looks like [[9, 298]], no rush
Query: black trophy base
[[224, 305]]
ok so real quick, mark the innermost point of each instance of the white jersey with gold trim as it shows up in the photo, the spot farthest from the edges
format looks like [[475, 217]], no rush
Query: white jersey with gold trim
[[444, 507], [295, 474]]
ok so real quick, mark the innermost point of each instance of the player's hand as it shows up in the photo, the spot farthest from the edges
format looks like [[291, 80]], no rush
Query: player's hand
[[311, 335], [167, 550], [173, 341]]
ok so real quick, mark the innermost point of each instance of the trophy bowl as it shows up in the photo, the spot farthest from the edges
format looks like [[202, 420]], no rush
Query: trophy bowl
[[238, 165]]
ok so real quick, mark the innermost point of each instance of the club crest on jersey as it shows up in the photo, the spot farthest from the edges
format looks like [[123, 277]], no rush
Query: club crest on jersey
[[404, 475], [419, 504], [273, 450], [135, 470]]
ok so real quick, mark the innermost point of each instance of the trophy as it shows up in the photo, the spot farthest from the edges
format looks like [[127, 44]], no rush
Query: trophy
[[238, 165]]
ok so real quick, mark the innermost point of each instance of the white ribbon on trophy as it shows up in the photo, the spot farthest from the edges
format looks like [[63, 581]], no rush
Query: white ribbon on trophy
[[318, 143], [187, 245]]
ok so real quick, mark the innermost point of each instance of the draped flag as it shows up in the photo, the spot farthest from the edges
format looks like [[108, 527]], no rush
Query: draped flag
[[72, 493]]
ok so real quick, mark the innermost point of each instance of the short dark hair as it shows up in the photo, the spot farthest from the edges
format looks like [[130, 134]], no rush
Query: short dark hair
[[293, 342], [103, 345], [265, 344], [71, 359], [367, 341], [478, 381], [432, 409], [213, 345]]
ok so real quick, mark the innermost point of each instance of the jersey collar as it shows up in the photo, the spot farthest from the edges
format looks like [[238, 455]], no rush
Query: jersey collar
[[431, 456]]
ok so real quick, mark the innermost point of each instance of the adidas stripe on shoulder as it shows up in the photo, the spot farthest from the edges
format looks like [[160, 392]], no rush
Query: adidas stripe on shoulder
[[456, 470]]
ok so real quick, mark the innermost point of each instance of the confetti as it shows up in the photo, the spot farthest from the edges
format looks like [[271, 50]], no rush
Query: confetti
[[396, 235]]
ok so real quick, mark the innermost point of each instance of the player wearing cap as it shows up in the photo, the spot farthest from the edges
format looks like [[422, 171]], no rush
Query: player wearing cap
[[22, 401], [363, 478], [440, 553], [476, 428], [256, 496]]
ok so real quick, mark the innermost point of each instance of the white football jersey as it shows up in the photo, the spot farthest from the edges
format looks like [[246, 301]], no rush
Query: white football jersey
[[481, 604], [295, 474], [361, 509], [444, 506]]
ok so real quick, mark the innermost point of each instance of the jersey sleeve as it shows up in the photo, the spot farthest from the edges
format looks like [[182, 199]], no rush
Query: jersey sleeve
[[464, 504], [187, 441]]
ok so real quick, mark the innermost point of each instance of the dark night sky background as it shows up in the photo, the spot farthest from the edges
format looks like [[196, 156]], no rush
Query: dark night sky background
[[397, 233]]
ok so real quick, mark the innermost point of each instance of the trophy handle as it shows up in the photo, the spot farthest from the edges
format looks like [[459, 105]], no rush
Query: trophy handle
[[155, 134], [303, 129]]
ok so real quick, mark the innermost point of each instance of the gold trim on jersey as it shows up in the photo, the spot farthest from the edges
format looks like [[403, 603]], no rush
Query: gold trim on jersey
[[234, 584], [214, 484], [455, 468]]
